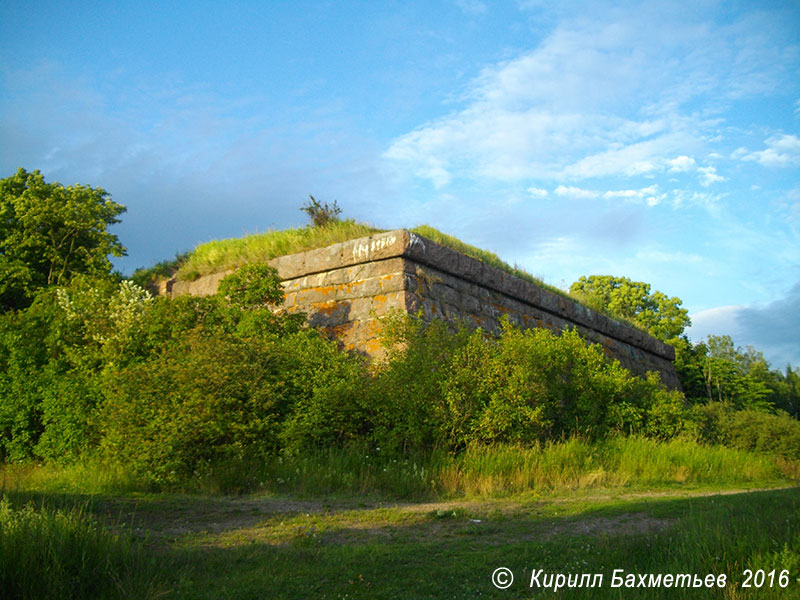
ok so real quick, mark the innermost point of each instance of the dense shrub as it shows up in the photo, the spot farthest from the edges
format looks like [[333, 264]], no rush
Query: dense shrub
[[215, 397], [333, 406], [53, 358], [22, 357], [446, 386], [720, 423], [174, 389], [406, 392]]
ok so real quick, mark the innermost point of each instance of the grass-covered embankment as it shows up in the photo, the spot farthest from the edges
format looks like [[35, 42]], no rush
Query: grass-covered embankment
[[221, 255]]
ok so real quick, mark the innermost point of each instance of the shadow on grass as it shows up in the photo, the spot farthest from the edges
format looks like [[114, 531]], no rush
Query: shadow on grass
[[279, 548]]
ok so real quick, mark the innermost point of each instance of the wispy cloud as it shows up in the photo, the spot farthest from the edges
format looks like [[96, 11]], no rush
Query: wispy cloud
[[650, 195], [570, 191], [575, 108], [706, 200]]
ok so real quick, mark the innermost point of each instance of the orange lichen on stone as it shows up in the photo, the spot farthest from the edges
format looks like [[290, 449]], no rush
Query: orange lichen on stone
[[328, 307], [372, 346], [503, 309], [374, 328], [341, 330]]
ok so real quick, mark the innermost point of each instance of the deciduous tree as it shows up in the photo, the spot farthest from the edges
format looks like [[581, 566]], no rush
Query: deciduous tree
[[656, 312], [49, 233]]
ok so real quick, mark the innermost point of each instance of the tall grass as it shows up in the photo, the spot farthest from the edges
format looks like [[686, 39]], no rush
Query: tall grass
[[483, 471], [615, 462], [61, 554], [88, 477], [572, 464], [219, 255]]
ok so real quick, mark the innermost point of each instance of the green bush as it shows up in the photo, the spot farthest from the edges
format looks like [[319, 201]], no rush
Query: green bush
[[534, 385], [214, 397], [169, 416], [448, 387], [28, 349], [750, 429], [406, 393], [53, 357], [764, 432]]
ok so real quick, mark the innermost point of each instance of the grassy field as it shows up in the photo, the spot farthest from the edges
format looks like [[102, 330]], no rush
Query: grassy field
[[711, 511]]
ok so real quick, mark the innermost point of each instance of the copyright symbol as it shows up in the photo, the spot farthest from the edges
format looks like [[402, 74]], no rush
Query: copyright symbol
[[502, 578]]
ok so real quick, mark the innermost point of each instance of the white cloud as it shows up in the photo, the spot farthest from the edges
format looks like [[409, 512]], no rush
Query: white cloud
[[575, 107], [721, 320], [651, 195], [575, 192], [686, 198], [708, 175], [630, 160], [537, 192], [681, 164], [572, 108], [781, 151]]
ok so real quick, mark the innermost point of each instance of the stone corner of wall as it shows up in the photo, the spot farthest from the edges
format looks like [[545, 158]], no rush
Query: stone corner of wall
[[427, 252]]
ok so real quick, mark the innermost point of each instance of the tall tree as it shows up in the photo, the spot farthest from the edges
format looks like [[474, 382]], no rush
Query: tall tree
[[49, 233], [659, 314], [735, 375]]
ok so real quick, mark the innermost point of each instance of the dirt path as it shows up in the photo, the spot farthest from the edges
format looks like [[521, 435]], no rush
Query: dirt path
[[279, 520]]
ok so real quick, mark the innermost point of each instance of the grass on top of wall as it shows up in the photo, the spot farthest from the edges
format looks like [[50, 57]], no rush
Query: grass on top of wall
[[489, 258], [221, 255]]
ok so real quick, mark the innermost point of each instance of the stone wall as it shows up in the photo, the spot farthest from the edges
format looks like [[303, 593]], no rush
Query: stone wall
[[347, 287]]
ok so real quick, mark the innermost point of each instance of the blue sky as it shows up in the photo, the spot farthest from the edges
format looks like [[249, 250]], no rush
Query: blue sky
[[658, 141]]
